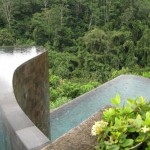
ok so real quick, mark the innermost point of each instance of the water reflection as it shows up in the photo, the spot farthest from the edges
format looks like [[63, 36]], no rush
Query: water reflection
[[11, 58]]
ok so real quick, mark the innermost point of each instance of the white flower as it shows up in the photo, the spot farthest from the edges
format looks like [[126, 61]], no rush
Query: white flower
[[98, 127], [145, 129]]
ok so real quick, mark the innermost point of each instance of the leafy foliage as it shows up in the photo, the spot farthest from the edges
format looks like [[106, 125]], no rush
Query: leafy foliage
[[124, 128], [113, 34], [141, 72], [61, 90], [6, 37]]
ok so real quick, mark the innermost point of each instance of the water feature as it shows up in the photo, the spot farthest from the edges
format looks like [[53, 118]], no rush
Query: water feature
[[11, 58], [17, 131], [72, 114], [62, 119]]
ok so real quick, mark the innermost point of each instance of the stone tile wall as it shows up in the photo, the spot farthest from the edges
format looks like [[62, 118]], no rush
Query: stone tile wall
[[31, 89]]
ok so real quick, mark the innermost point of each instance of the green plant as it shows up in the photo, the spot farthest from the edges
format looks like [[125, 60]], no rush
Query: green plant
[[116, 73], [124, 127], [146, 74], [63, 90], [59, 101]]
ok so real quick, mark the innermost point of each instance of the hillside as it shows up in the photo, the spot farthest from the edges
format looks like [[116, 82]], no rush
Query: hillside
[[89, 42]]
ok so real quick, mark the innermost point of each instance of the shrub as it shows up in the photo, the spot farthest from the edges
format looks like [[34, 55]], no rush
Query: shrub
[[63, 90], [6, 37], [124, 127], [146, 74]]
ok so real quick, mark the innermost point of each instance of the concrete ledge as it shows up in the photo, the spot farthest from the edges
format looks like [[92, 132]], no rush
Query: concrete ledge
[[78, 138], [19, 132]]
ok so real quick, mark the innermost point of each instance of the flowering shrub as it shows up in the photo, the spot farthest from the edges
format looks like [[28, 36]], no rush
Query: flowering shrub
[[124, 128]]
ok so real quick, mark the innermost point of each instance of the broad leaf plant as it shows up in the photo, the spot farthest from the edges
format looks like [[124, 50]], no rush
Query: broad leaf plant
[[124, 127]]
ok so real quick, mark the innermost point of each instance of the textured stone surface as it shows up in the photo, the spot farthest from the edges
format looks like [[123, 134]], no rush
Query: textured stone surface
[[30, 139], [16, 116], [31, 90], [78, 138]]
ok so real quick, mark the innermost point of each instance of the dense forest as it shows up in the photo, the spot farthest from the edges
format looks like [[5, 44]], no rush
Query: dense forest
[[89, 41]]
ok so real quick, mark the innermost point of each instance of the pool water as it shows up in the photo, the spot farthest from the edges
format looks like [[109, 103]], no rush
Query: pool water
[[69, 116], [10, 59]]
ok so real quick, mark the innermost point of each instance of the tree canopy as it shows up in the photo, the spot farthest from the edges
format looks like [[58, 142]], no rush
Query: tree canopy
[[86, 40]]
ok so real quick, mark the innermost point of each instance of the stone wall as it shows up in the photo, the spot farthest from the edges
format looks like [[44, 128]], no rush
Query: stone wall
[[31, 88], [79, 138]]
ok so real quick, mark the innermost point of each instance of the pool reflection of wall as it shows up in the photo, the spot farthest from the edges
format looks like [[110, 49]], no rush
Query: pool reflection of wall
[[30, 84]]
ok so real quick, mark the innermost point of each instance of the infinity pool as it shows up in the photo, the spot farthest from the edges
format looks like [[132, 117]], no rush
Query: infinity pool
[[10, 59], [69, 116]]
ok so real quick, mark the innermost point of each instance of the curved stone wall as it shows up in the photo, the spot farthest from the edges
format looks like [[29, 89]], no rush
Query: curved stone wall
[[31, 88], [19, 126]]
